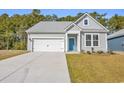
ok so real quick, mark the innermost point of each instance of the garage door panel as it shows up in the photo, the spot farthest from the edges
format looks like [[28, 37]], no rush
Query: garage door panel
[[48, 45]]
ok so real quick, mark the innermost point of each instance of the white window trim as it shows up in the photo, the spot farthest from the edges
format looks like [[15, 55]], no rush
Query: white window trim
[[87, 21], [91, 39], [88, 40], [98, 39]]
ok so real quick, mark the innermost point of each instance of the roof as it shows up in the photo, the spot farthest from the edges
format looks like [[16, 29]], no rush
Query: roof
[[58, 26], [49, 27], [116, 34]]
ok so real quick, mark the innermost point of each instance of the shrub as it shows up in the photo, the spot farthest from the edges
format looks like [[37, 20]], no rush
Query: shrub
[[111, 52], [20, 45], [100, 52], [88, 52]]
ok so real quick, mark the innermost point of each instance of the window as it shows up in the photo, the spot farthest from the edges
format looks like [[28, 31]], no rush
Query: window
[[88, 40], [95, 40], [85, 22], [92, 39]]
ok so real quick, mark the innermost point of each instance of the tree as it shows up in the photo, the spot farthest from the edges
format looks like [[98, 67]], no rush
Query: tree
[[116, 22], [51, 18], [12, 29], [67, 18], [36, 12], [54, 17], [100, 18], [79, 15]]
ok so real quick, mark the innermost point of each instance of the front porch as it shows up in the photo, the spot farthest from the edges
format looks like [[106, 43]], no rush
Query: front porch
[[73, 42]]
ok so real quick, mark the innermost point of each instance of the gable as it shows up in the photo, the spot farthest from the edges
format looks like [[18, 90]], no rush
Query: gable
[[74, 28], [92, 24]]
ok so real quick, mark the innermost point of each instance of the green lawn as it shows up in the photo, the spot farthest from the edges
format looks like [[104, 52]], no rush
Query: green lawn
[[96, 68], [10, 53]]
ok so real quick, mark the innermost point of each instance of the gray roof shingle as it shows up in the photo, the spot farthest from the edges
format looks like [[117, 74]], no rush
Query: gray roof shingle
[[116, 34], [49, 27]]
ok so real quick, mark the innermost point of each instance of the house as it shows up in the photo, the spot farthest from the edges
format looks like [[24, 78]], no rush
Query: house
[[116, 41], [85, 34]]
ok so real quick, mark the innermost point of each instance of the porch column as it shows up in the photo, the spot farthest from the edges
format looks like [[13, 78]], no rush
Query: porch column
[[66, 42], [78, 42]]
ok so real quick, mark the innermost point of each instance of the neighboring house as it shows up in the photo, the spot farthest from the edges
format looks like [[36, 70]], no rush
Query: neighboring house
[[116, 41], [85, 34]]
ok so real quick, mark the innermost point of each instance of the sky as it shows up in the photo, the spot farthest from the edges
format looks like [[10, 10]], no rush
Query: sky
[[63, 12]]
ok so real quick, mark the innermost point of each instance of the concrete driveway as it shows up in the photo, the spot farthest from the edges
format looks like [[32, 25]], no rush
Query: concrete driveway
[[35, 68]]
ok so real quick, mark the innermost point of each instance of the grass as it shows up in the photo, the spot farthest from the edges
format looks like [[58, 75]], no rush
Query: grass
[[96, 68], [10, 53]]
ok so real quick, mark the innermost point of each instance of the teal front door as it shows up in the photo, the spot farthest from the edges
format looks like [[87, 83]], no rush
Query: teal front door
[[72, 45]]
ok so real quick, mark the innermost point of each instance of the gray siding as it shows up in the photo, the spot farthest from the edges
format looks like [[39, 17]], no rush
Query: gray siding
[[115, 44], [92, 24], [102, 43], [92, 27]]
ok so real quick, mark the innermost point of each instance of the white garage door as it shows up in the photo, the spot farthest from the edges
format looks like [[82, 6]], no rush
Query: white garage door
[[48, 45]]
